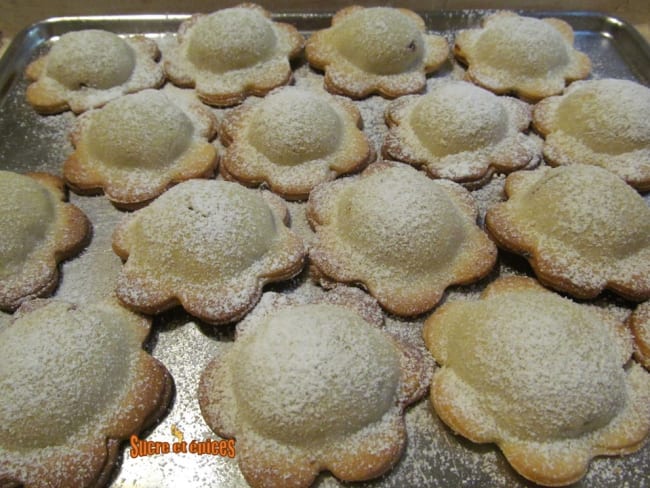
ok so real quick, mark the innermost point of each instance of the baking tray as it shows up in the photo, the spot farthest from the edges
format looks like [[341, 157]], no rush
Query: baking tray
[[434, 455]]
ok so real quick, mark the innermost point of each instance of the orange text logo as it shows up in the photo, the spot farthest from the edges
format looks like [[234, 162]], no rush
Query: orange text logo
[[223, 448]]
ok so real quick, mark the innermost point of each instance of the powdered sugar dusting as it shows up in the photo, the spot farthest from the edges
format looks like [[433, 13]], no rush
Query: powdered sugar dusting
[[461, 132], [513, 43], [600, 122], [86, 386], [489, 194], [225, 69], [107, 67], [530, 56], [291, 348], [401, 234], [31, 140], [376, 50], [60, 372], [433, 453], [639, 322], [309, 396], [592, 236], [209, 245], [292, 140], [372, 112], [138, 145], [553, 389]]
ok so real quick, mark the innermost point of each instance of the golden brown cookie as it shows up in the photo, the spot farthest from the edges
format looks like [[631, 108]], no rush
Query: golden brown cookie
[[293, 140], [599, 122], [461, 132], [75, 384], [209, 246], [137, 146], [639, 322], [39, 230], [402, 236], [376, 50], [85, 69], [546, 379], [582, 229], [532, 58], [313, 386], [233, 53]]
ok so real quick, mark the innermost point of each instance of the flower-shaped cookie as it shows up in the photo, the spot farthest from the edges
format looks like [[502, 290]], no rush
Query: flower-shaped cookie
[[85, 69], [309, 387], [293, 140], [582, 229], [137, 146], [376, 50], [599, 122], [531, 57], [461, 132], [233, 53], [639, 322], [546, 379], [75, 384], [207, 245], [39, 230], [401, 235]]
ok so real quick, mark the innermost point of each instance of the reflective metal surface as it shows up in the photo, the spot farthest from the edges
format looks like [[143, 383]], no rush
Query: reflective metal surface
[[434, 455]]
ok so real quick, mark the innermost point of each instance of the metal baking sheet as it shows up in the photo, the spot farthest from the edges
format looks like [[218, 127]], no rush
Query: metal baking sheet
[[434, 455]]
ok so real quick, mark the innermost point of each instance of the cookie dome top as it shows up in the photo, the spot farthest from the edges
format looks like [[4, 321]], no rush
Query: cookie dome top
[[231, 39], [380, 40], [293, 126], [307, 371], [142, 130], [90, 58]]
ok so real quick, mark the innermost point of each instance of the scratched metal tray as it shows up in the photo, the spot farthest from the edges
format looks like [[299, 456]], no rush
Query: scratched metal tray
[[434, 455]]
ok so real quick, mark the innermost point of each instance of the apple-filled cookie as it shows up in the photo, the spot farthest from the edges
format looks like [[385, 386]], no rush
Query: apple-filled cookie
[[533, 58], [85, 69], [376, 50], [233, 53], [461, 132], [137, 146], [599, 122], [293, 140], [39, 230], [582, 229], [314, 385], [75, 383], [209, 246], [548, 380], [401, 235]]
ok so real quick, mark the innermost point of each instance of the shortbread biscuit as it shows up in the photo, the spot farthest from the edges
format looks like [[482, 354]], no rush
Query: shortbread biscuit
[[75, 384], [599, 122], [530, 57], [293, 140], [376, 50], [85, 69], [639, 322], [315, 386], [233, 53], [137, 146], [582, 229], [461, 132], [209, 246], [401, 235], [546, 379], [39, 230]]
